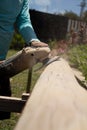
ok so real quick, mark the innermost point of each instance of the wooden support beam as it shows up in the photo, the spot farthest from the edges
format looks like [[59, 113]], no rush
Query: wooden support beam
[[25, 96], [11, 104], [57, 102]]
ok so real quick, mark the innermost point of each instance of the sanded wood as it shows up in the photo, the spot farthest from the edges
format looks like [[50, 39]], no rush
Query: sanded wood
[[57, 102]]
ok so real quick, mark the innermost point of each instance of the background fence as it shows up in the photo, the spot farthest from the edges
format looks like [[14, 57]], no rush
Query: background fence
[[53, 27]]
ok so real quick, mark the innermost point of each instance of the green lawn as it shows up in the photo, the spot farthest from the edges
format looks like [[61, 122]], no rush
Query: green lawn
[[78, 58]]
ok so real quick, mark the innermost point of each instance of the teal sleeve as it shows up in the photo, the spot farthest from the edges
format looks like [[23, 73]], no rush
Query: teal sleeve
[[24, 24]]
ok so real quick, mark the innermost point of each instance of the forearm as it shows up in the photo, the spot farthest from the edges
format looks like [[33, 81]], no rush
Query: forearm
[[28, 34], [24, 24]]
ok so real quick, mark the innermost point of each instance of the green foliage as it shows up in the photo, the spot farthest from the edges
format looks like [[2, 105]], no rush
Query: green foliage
[[9, 123], [85, 16], [17, 42], [52, 43], [78, 58], [71, 15]]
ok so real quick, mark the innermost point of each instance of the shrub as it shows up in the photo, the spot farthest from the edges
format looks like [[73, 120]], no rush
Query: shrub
[[78, 57], [17, 42]]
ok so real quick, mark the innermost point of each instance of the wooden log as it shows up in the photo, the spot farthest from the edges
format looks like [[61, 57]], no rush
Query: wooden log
[[11, 104], [57, 102], [25, 96]]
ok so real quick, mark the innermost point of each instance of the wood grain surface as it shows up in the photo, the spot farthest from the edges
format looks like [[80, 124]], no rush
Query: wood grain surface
[[57, 102]]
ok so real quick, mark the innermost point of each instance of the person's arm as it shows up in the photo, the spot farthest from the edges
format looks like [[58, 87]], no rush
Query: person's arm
[[24, 24]]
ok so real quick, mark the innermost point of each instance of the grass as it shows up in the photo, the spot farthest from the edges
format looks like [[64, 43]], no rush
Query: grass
[[78, 58]]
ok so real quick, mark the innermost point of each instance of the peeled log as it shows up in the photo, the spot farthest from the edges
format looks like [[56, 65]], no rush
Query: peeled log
[[57, 102]]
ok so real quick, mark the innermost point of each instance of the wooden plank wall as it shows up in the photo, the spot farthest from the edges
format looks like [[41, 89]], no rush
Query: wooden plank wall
[[57, 102], [75, 24]]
